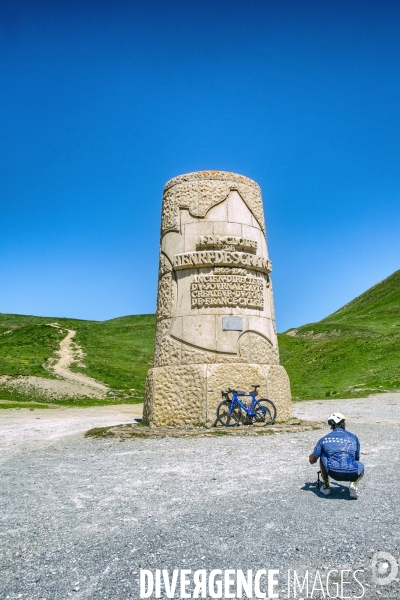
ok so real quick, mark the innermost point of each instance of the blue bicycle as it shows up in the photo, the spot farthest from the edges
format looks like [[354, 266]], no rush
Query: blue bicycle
[[258, 412]]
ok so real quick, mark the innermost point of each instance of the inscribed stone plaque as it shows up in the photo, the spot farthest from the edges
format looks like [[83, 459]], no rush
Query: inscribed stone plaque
[[232, 323], [227, 290]]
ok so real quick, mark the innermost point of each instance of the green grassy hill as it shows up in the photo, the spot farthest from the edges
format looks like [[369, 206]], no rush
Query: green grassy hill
[[118, 352], [351, 353]]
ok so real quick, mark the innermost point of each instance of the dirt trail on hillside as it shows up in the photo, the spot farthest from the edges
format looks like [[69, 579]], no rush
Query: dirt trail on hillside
[[67, 384], [67, 355]]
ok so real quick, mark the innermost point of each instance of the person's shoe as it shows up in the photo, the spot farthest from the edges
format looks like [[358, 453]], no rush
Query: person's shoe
[[353, 491], [325, 491]]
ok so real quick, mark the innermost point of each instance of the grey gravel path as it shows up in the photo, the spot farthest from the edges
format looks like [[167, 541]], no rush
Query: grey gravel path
[[80, 517], [25, 430]]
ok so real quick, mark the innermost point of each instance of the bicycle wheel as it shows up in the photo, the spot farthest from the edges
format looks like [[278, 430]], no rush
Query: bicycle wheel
[[226, 418], [265, 412]]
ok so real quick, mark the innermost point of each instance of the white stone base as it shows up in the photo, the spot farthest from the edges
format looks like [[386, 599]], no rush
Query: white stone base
[[190, 394]]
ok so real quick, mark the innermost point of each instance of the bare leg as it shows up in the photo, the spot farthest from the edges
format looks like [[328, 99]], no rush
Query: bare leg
[[324, 474], [357, 480]]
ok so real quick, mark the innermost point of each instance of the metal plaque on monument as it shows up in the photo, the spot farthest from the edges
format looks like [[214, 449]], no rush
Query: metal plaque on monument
[[215, 314]]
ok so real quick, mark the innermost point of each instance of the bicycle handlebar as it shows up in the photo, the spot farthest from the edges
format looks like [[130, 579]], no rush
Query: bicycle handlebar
[[230, 391]]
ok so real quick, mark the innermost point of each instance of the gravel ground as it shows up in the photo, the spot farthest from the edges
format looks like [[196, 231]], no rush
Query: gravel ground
[[25, 430], [80, 517]]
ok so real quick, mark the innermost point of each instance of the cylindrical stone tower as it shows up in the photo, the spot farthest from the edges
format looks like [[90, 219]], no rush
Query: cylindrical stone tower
[[215, 313]]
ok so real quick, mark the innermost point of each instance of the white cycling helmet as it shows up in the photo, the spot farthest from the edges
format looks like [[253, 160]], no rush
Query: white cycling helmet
[[336, 419]]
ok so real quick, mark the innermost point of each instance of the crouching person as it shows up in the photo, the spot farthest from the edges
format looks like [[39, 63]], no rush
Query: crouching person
[[339, 455]]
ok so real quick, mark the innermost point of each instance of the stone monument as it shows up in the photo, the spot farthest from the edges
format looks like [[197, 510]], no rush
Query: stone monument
[[215, 313]]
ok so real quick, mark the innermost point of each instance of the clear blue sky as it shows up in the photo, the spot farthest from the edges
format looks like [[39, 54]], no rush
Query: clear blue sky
[[102, 102]]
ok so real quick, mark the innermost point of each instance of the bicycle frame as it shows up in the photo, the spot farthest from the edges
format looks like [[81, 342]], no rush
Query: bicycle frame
[[257, 412], [249, 411]]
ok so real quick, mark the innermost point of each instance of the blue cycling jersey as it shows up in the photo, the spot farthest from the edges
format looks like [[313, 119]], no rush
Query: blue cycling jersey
[[338, 451]]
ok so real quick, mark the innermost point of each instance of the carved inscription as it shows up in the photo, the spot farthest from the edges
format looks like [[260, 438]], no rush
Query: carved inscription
[[227, 290], [227, 242], [230, 271], [222, 258]]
